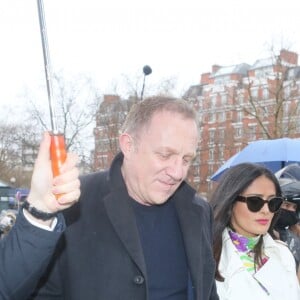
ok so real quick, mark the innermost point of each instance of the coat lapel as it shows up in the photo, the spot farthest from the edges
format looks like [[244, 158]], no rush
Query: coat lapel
[[190, 223], [191, 218], [121, 215]]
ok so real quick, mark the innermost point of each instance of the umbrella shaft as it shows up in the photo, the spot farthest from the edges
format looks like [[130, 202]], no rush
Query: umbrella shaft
[[47, 64]]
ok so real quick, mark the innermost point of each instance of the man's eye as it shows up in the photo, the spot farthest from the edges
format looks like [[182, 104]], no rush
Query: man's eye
[[164, 155], [187, 161]]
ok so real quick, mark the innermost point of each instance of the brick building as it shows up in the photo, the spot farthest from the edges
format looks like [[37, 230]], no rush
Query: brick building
[[109, 119], [242, 103], [235, 104]]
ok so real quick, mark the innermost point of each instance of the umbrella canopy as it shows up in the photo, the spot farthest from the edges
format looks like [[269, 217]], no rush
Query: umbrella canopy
[[274, 154]]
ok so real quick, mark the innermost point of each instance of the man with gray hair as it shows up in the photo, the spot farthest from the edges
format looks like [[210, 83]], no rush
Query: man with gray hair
[[139, 232]]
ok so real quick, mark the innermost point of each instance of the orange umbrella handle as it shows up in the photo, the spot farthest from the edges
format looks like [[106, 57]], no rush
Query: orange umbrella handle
[[58, 152]]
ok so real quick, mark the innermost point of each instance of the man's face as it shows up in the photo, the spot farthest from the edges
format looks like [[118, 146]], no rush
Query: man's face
[[159, 160]]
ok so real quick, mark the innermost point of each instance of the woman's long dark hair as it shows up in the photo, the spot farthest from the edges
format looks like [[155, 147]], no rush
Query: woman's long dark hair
[[232, 184]]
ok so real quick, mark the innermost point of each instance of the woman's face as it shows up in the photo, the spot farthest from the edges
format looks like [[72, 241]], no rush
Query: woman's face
[[246, 222]]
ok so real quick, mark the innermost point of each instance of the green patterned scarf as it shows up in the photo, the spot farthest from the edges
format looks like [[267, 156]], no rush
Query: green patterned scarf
[[245, 246]]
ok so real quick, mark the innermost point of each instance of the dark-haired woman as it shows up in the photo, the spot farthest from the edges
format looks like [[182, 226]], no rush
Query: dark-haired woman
[[250, 263]]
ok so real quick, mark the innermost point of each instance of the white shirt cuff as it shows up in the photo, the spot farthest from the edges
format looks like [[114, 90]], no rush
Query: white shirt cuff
[[37, 224]]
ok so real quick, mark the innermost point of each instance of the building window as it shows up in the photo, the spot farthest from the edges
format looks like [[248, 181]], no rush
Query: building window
[[265, 93], [211, 136], [224, 99], [221, 116], [211, 154], [221, 135], [211, 117], [298, 125], [264, 72], [221, 152], [239, 116], [252, 132], [210, 169], [287, 91], [238, 132], [240, 98], [222, 79], [213, 101], [254, 92], [286, 108]]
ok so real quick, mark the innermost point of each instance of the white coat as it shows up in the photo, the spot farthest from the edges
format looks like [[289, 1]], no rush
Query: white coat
[[278, 275]]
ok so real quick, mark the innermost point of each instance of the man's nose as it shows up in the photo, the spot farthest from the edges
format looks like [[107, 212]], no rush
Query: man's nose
[[176, 170]]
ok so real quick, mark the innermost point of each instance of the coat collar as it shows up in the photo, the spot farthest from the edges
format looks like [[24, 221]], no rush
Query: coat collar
[[196, 237], [190, 223], [230, 261], [121, 213]]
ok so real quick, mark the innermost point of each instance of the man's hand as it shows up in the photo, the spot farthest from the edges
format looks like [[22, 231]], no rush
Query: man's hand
[[44, 187]]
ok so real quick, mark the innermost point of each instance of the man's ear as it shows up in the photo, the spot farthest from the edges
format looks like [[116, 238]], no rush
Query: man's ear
[[126, 143]]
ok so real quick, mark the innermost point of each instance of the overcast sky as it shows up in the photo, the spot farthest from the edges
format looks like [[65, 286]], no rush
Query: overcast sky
[[107, 38]]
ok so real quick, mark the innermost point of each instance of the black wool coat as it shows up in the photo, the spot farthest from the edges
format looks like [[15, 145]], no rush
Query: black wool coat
[[100, 255]]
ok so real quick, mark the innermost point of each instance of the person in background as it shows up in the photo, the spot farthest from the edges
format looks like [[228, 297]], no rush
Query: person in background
[[251, 264], [26, 249], [139, 231], [288, 228], [7, 221]]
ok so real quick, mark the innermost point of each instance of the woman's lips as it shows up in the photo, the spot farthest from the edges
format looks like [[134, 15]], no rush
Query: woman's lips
[[262, 221]]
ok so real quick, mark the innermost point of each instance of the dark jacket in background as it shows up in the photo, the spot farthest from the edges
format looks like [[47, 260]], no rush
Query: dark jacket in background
[[100, 255]]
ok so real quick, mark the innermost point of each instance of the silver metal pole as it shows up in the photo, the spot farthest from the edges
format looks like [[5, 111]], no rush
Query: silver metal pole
[[47, 65]]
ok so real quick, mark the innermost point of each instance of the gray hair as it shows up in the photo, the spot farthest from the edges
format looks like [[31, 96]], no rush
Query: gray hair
[[142, 112]]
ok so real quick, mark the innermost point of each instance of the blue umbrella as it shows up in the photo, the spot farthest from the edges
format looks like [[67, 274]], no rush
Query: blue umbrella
[[274, 154]]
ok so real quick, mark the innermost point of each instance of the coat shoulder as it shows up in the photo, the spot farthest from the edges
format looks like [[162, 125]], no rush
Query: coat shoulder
[[281, 243], [89, 180], [93, 187], [201, 202]]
